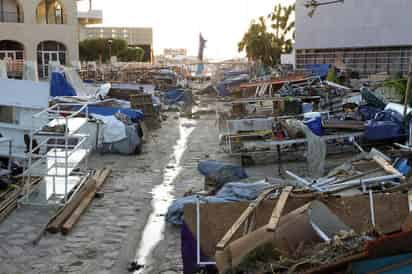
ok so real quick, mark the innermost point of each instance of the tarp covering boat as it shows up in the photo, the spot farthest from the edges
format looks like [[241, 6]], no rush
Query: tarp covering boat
[[59, 86]]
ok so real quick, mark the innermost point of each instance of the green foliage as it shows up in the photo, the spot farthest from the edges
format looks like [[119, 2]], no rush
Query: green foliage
[[94, 49], [332, 76], [131, 55], [399, 85], [266, 44]]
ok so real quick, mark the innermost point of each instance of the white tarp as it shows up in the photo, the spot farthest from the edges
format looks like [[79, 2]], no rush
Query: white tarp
[[30, 71], [104, 90], [3, 70], [113, 129], [54, 66], [398, 108], [74, 79]]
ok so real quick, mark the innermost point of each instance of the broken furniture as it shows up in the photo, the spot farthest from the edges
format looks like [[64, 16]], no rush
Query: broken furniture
[[59, 157], [214, 220]]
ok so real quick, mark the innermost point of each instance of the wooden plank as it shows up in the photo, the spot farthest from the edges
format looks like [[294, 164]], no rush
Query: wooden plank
[[10, 199], [101, 177], [277, 211], [64, 213], [7, 210], [75, 216], [388, 167], [246, 213]]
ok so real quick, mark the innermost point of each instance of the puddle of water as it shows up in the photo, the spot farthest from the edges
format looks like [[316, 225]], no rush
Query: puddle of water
[[163, 197]]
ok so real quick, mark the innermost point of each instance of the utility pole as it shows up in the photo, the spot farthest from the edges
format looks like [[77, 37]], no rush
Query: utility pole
[[408, 87]]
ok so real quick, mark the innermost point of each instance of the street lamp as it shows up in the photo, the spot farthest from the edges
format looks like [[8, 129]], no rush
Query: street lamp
[[313, 4], [110, 42]]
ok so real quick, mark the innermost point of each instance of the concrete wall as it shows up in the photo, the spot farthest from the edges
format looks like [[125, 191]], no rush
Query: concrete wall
[[30, 34], [355, 23]]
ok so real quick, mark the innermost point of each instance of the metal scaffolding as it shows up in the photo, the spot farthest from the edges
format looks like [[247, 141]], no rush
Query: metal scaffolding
[[60, 157]]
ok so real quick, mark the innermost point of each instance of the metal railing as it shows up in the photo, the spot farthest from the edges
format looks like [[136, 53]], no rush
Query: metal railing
[[10, 17]]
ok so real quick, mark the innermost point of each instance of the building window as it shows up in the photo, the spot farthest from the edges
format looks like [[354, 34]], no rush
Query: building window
[[8, 115], [50, 12], [10, 12]]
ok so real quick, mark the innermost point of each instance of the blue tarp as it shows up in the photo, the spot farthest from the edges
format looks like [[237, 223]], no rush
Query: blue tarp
[[400, 264], [59, 86], [386, 125], [174, 96], [230, 192], [220, 172], [318, 69], [133, 114], [223, 85]]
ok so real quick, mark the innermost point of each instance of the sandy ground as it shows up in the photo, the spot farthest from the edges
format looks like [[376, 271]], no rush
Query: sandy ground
[[107, 236]]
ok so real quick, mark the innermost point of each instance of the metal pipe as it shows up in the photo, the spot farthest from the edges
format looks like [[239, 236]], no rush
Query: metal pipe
[[302, 182], [363, 181], [199, 262], [372, 207]]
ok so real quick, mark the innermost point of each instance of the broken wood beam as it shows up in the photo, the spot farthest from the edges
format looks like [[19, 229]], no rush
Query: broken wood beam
[[277, 211], [7, 210], [243, 217], [86, 201], [56, 222], [388, 167]]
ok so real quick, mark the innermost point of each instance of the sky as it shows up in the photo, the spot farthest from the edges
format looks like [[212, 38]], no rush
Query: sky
[[177, 23]]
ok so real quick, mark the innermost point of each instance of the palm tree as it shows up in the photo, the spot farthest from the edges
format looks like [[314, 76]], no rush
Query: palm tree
[[266, 45]]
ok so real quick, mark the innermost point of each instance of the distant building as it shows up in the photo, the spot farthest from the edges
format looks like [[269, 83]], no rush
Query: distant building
[[368, 36], [42, 31], [135, 37], [171, 53]]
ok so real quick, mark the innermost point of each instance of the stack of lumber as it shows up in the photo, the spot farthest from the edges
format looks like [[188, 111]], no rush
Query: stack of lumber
[[8, 201], [69, 215], [9, 197]]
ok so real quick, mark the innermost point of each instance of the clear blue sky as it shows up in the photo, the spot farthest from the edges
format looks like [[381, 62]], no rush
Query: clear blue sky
[[177, 23]]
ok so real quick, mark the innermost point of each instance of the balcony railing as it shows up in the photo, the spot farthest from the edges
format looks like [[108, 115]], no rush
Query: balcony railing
[[54, 20], [10, 17]]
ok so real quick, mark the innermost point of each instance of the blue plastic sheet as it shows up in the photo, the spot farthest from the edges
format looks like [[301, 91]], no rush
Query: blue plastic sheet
[[59, 86], [221, 172], [399, 264], [230, 192], [223, 86], [368, 112], [318, 69], [386, 125], [174, 96]]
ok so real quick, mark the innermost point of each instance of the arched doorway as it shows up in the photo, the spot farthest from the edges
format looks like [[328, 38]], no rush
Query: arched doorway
[[10, 12], [13, 53], [50, 51], [50, 12]]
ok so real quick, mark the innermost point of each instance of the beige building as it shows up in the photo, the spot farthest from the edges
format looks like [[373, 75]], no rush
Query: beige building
[[174, 52], [42, 31], [135, 37]]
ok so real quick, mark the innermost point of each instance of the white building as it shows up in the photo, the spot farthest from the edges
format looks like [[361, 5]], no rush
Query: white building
[[41, 31], [368, 36]]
